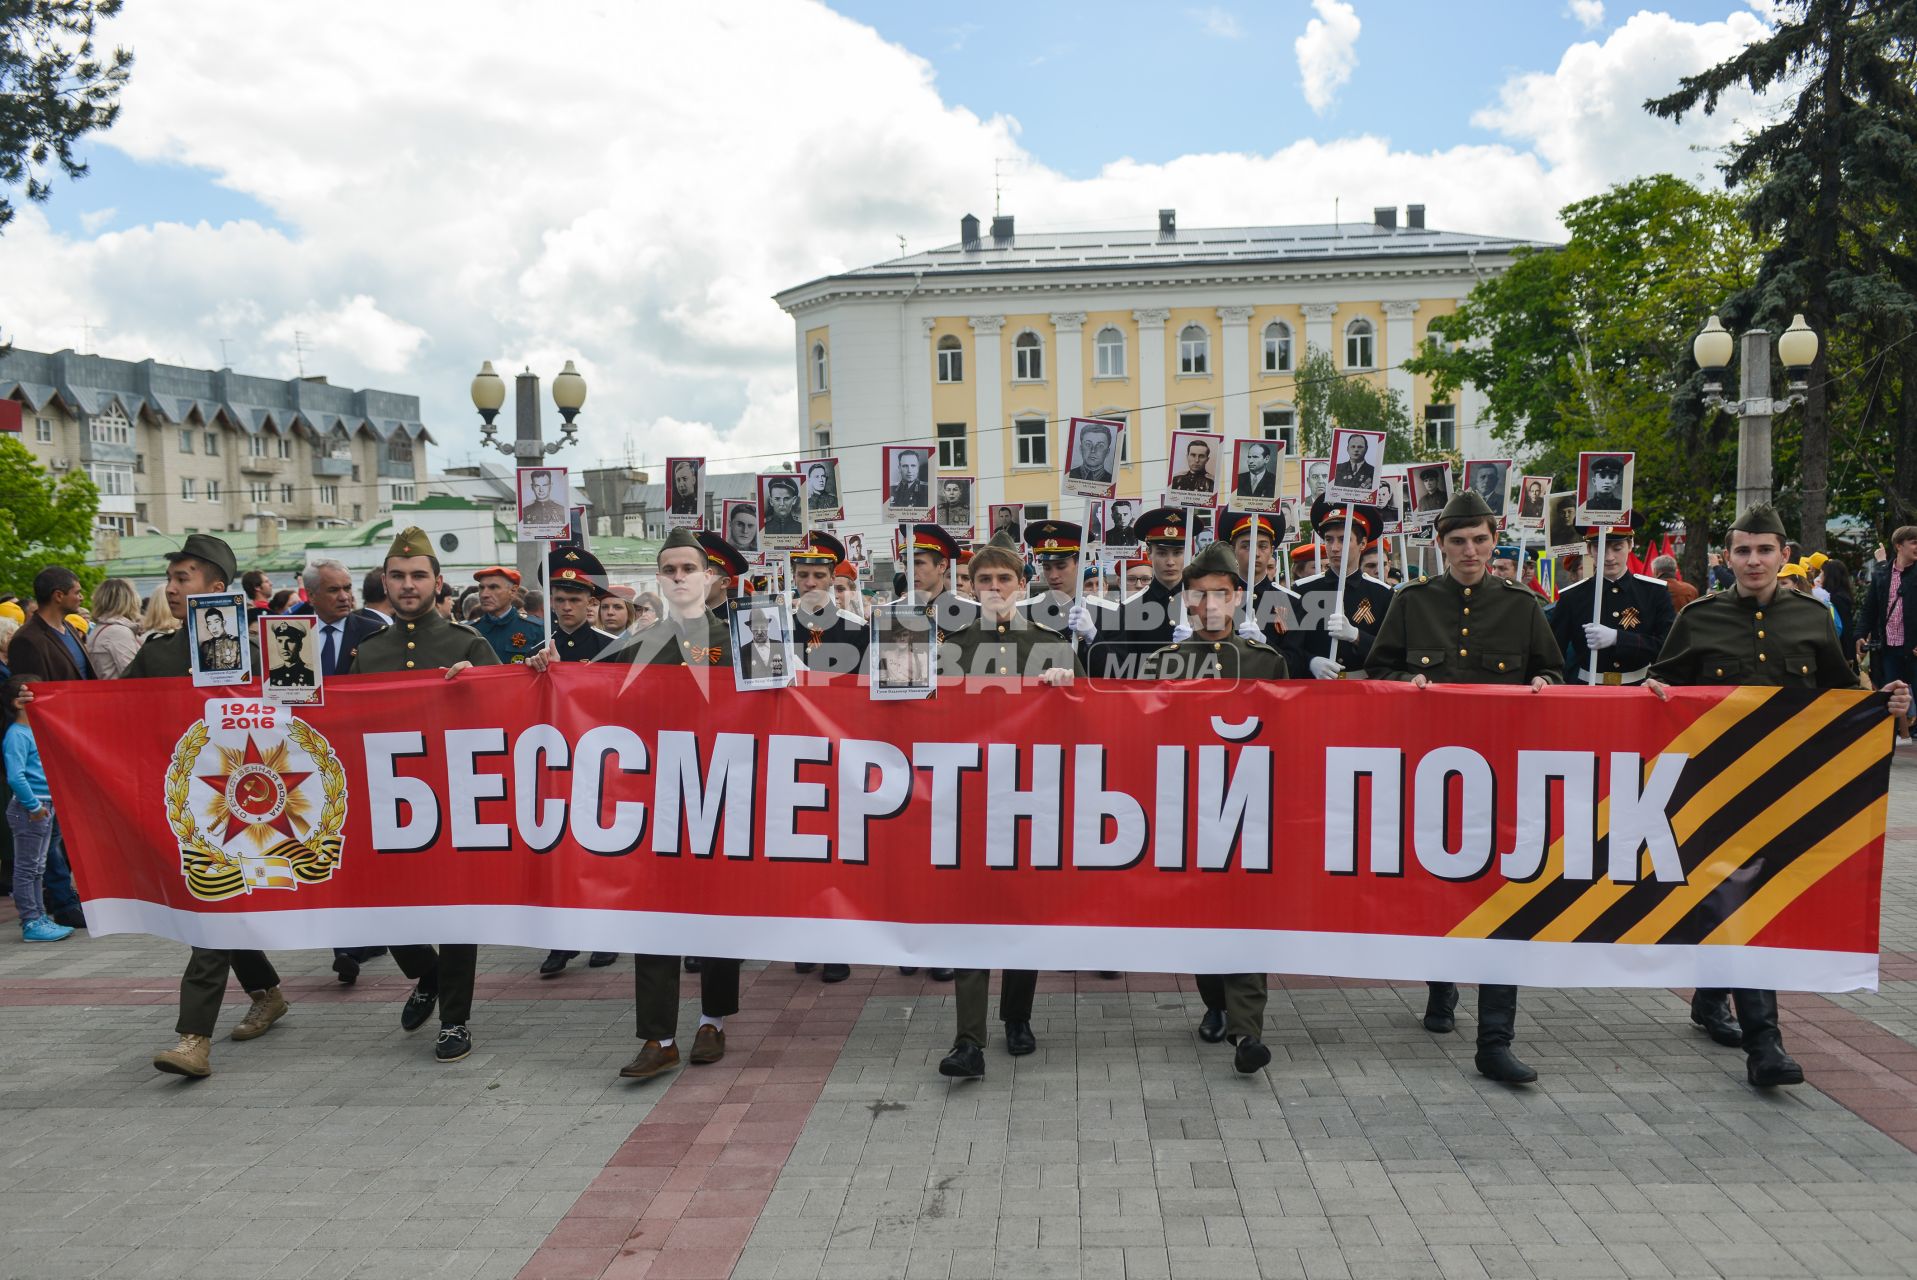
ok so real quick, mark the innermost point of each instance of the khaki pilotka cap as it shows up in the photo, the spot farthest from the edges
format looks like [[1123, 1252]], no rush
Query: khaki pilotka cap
[[412, 541], [214, 551], [1761, 517], [1468, 505], [1217, 558]]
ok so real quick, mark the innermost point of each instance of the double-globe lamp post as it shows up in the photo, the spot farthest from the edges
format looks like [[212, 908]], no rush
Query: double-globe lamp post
[[528, 446], [1797, 350]]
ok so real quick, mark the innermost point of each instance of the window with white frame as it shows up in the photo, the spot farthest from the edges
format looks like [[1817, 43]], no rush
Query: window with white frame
[[1282, 424], [822, 440], [1194, 419], [259, 492], [256, 446], [212, 444], [112, 479], [1441, 426], [110, 427], [1034, 438], [139, 464], [212, 490], [186, 440], [1277, 347], [1194, 350], [329, 495], [1028, 358], [404, 493], [43, 430], [286, 446], [1108, 353], [286, 495], [1360, 344], [952, 450], [818, 367], [951, 359], [187, 487]]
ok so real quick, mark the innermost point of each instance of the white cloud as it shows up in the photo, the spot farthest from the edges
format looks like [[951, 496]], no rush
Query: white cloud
[[94, 219], [491, 203], [1219, 22], [1327, 51], [1589, 13]]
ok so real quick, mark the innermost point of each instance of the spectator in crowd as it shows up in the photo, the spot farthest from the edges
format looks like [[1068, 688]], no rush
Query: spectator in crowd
[[615, 613], [373, 597], [646, 610], [257, 587], [1682, 592], [444, 602], [1834, 578], [115, 635], [158, 618], [536, 603], [282, 600], [1721, 576], [38, 878], [7, 627], [48, 646], [1887, 622]]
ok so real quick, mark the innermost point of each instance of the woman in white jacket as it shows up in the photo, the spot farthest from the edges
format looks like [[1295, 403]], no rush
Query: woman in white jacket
[[114, 636]]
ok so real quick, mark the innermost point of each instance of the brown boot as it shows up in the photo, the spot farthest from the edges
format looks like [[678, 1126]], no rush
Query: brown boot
[[190, 1057], [708, 1045], [269, 1006], [653, 1060]]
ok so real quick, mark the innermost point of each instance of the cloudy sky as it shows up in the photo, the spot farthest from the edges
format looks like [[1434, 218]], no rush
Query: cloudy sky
[[417, 187]]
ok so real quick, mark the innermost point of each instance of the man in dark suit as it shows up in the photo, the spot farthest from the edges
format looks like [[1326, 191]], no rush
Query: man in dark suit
[[1356, 471], [910, 491], [1257, 480], [762, 655]]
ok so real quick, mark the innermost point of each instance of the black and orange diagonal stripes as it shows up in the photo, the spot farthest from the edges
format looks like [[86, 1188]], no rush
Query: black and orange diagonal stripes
[[1781, 788]]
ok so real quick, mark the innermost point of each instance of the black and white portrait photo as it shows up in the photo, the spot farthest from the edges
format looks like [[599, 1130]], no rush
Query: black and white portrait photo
[[762, 656], [1604, 487], [1430, 490], [1563, 530], [1490, 479], [904, 654], [1193, 466], [1007, 518], [542, 504], [908, 482], [823, 505], [1313, 475], [1254, 474], [217, 639], [685, 493], [1356, 459], [289, 650], [781, 526], [742, 525], [955, 506], [1091, 457]]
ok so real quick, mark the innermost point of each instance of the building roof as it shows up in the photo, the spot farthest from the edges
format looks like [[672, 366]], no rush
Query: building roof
[[495, 483], [175, 394], [144, 555], [1324, 242]]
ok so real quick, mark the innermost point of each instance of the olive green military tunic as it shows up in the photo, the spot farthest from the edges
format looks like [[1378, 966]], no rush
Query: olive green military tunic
[[1233, 658], [1492, 633], [1017, 647], [427, 643], [166, 655], [1727, 638], [705, 641]]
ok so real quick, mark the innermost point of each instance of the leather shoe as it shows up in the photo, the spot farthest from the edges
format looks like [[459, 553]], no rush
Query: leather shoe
[[600, 959], [1211, 1028], [940, 975], [965, 1062], [554, 962], [708, 1045], [835, 972], [1252, 1055], [346, 967], [1769, 1066], [693, 964], [1019, 1039], [653, 1060], [418, 1007], [454, 1043], [1497, 1062], [1715, 1016], [1441, 1009]]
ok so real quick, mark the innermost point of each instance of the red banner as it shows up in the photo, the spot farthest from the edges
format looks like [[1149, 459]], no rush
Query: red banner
[[1578, 837]]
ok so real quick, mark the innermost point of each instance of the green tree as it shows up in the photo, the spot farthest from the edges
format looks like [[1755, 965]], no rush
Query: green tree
[[54, 89], [44, 520], [1842, 152], [1327, 398], [1588, 346]]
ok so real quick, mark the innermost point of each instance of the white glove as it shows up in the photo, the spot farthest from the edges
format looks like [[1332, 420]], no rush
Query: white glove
[[1249, 629], [1597, 636], [1079, 621], [1181, 633], [1326, 668], [1339, 627]]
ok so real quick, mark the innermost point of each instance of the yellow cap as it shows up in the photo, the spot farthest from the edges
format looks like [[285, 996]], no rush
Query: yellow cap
[[1793, 570], [1815, 561], [78, 623], [412, 541], [12, 610]]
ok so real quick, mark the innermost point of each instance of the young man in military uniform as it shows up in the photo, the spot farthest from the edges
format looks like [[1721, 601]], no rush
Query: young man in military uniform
[[1338, 618], [1002, 645], [1635, 616], [1271, 610], [1465, 626], [1055, 546], [1754, 633], [1147, 618], [689, 635], [933, 553], [421, 640], [576, 581], [1218, 650], [514, 634], [203, 564]]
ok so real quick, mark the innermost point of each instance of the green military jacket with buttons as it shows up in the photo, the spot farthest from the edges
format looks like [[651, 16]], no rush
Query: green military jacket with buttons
[[704, 641], [1493, 632], [1233, 658], [428, 643], [1727, 638], [1018, 647]]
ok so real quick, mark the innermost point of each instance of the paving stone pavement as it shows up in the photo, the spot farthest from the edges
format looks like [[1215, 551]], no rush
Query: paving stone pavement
[[826, 1144]]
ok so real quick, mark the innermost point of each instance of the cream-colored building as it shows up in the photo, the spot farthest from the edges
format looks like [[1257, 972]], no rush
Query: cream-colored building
[[176, 451], [989, 345]]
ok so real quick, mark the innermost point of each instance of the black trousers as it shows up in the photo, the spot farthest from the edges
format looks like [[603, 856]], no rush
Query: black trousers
[[974, 990], [1497, 1011], [203, 985], [1241, 996], [1756, 1013], [655, 993], [448, 970]]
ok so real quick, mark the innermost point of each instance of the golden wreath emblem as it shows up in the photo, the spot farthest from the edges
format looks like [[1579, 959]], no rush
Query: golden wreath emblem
[[266, 813]]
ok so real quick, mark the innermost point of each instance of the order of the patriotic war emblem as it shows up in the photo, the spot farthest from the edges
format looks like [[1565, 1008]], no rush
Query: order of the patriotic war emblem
[[258, 809]]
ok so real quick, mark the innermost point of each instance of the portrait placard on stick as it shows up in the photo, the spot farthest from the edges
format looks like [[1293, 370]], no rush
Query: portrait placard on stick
[[1358, 457], [290, 652], [217, 634], [1604, 488], [1313, 475], [741, 516], [955, 506], [1093, 447], [685, 493], [762, 656], [781, 527], [1563, 535], [542, 509], [824, 502], [908, 472], [1430, 484], [1532, 491], [1490, 479], [1255, 468], [1193, 468]]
